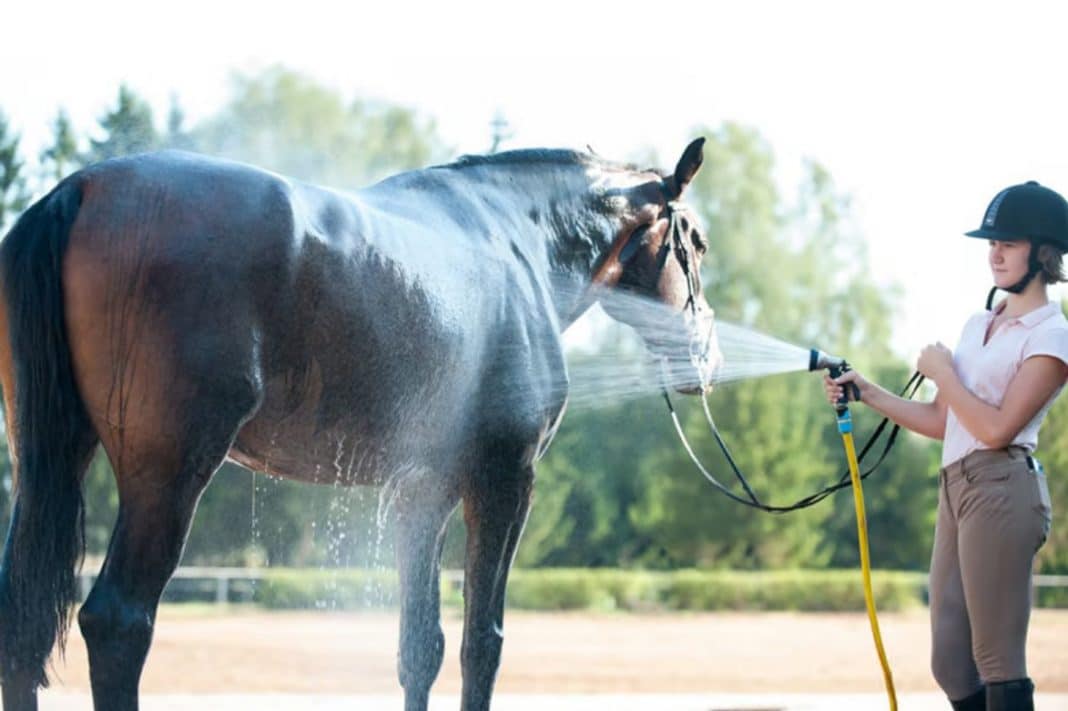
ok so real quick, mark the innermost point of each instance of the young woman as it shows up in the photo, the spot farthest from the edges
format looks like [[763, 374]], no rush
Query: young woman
[[993, 504]]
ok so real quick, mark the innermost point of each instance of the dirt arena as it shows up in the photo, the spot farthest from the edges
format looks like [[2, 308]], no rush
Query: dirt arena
[[209, 650]]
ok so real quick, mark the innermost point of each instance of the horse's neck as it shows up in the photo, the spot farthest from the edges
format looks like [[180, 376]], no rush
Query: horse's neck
[[548, 213], [564, 228]]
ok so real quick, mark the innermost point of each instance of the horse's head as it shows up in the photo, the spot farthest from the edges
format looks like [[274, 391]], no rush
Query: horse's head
[[656, 258]]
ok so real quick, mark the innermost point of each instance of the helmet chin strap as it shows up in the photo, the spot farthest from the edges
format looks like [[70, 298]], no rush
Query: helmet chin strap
[[1033, 268]]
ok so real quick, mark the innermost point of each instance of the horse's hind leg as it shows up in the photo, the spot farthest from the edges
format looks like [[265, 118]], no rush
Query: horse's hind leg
[[495, 510], [423, 505], [159, 481]]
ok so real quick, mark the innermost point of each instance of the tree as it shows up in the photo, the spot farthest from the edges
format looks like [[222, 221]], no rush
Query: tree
[[61, 157], [177, 136], [588, 484], [128, 128], [620, 487], [14, 195], [1053, 453], [287, 122]]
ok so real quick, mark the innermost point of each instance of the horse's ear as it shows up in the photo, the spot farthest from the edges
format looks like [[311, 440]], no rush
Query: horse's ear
[[687, 167]]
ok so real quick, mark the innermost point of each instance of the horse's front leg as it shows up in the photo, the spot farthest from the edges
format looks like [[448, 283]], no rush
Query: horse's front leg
[[495, 510], [423, 506]]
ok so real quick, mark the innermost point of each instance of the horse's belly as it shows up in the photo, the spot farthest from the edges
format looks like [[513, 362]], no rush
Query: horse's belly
[[360, 435], [327, 457]]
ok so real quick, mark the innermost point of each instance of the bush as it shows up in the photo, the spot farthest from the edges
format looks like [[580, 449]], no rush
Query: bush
[[570, 589], [610, 589], [802, 590], [1051, 597], [294, 589]]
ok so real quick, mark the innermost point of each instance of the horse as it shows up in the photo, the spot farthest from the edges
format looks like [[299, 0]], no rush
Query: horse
[[179, 310]]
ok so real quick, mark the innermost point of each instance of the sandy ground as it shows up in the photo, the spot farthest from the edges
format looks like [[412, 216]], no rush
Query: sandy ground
[[205, 650]]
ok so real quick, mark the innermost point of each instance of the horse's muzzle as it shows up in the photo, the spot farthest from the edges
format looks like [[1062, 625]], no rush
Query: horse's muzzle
[[705, 356], [695, 373]]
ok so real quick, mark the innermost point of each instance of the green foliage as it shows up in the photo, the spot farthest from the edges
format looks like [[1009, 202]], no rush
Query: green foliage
[[348, 589], [559, 589], [587, 485], [252, 519], [1052, 597], [102, 504], [177, 136], [801, 590], [334, 590], [128, 128], [1053, 453], [581, 589], [14, 194], [291, 124], [616, 488], [60, 158]]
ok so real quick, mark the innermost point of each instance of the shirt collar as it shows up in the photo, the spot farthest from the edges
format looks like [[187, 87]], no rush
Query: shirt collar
[[1033, 317]]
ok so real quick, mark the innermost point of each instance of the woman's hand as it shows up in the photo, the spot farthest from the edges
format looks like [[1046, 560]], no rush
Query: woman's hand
[[834, 387], [935, 362]]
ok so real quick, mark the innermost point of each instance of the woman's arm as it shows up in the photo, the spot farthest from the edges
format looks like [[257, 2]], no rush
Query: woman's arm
[[925, 418], [1033, 385]]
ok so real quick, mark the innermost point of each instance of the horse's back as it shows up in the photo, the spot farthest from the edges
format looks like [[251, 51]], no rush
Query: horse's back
[[361, 338], [236, 278]]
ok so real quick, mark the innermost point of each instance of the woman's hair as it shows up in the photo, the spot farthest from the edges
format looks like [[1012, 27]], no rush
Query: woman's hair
[[1049, 257]]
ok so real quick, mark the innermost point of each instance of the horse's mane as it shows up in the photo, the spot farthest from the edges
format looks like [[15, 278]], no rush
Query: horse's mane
[[539, 156]]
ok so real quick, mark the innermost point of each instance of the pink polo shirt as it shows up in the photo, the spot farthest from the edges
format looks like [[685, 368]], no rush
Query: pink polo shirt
[[986, 370]]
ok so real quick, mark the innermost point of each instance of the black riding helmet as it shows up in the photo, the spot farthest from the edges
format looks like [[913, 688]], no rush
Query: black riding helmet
[[1026, 212]]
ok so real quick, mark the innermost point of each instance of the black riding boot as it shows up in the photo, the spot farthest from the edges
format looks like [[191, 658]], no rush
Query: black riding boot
[[1015, 695], [975, 702]]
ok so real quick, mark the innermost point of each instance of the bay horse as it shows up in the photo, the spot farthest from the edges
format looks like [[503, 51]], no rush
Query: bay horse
[[180, 310]]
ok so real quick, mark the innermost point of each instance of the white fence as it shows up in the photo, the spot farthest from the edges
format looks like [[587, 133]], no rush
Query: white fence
[[221, 580], [224, 580]]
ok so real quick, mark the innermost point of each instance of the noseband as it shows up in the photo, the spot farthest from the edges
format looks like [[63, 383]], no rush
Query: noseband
[[675, 243]]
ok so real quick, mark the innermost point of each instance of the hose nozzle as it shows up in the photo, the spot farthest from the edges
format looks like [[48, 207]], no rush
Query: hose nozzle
[[835, 365], [818, 360]]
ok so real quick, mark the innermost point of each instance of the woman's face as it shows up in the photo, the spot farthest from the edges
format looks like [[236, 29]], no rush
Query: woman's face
[[1008, 261]]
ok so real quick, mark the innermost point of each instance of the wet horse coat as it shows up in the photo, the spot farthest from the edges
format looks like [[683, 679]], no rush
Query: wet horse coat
[[179, 310]]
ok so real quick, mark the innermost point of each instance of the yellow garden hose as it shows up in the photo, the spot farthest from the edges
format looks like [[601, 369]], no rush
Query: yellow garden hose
[[836, 367], [846, 428]]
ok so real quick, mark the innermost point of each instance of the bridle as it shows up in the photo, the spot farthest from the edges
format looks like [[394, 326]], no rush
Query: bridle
[[674, 242]]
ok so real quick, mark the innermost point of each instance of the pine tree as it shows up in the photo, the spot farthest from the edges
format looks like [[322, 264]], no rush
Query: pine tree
[[177, 136], [61, 158], [14, 195], [128, 128]]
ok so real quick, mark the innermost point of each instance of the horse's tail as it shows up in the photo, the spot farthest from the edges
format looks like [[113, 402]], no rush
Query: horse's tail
[[51, 438]]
